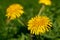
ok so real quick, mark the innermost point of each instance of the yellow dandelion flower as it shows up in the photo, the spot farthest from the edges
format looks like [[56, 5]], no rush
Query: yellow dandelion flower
[[46, 2], [14, 11], [39, 25]]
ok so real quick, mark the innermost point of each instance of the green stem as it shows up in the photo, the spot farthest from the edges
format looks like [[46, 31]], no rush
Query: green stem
[[20, 22], [7, 21], [41, 10]]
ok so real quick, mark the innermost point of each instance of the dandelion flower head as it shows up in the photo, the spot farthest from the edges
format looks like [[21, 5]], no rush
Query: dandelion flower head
[[14, 11], [45, 2], [39, 25]]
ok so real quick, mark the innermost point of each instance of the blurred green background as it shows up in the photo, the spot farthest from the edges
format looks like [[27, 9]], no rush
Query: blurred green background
[[15, 31]]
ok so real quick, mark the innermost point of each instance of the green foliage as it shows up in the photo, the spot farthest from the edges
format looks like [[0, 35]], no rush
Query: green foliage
[[15, 31]]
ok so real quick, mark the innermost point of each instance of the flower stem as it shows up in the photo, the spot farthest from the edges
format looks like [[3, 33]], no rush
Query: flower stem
[[41, 10], [20, 22], [7, 21]]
